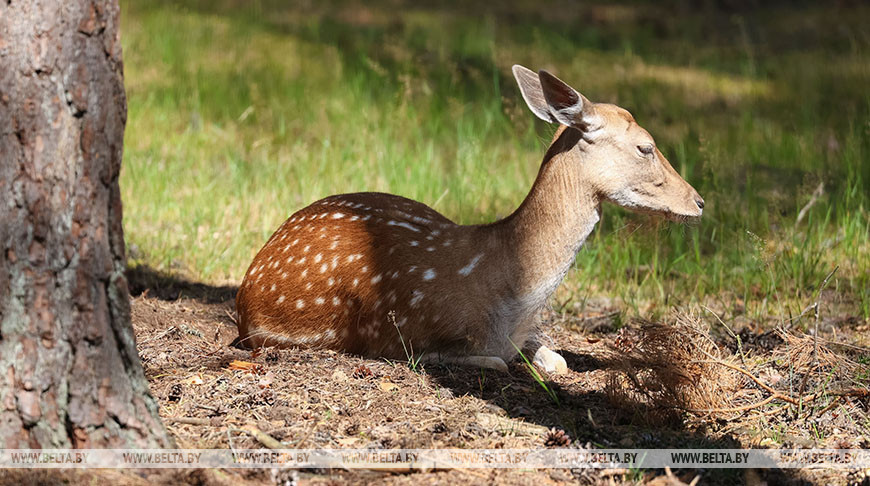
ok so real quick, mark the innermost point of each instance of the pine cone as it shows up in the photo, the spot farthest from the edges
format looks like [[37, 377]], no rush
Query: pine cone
[[557, 438], [362, 371]]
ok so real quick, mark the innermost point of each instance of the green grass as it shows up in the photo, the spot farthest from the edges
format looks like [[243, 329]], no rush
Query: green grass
[[240, 113]]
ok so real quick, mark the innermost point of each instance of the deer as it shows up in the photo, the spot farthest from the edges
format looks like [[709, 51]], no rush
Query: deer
[[375, 274]]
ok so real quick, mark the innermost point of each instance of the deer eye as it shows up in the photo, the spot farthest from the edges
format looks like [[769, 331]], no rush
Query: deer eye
[[645, 149]]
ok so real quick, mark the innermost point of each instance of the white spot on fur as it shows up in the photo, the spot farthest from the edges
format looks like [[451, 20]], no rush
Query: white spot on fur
[[413, 243], [431, 248], [412, 269], [300, 304], [307, 247], [272, 288], [429, 274], [466, 270], [331, 281], [318, 257], [364, 269], [355, 282], [403, 225], [281, 298], [304, 273], [376, 278], [319, 301], [416, 297], [354, 218], [337, 215], [323, 268], [336, 301]]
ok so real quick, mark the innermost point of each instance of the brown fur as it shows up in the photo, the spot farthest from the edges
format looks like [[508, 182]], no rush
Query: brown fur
[[374, 274]]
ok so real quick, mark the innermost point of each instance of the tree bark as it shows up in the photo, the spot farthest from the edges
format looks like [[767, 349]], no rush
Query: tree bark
[[69, 372]]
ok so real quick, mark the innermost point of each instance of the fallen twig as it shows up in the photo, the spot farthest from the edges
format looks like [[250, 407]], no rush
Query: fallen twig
[[262, 437], [214, 421], [158, 336], [774, 394]]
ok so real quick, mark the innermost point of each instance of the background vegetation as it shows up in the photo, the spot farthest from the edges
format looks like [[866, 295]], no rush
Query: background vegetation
[[242, 112]]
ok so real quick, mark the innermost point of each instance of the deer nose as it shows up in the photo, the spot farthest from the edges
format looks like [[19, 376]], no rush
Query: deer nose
[[700, 202]]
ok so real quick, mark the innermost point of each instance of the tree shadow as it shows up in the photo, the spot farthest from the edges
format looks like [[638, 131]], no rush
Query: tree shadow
[[143, 279]]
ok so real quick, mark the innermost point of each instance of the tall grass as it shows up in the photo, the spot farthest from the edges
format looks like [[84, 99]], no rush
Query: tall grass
[[240, 113]]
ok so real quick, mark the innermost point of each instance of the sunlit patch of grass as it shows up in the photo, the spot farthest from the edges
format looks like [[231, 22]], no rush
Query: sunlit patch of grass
[[241, 113]]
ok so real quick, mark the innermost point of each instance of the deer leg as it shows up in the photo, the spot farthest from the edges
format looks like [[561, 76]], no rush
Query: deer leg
[[486, 362]]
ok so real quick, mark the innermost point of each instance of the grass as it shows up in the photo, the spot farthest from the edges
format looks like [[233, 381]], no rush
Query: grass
[[240, 113]]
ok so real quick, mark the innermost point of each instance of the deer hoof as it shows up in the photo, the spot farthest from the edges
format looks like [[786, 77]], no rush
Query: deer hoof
[[550, 361]]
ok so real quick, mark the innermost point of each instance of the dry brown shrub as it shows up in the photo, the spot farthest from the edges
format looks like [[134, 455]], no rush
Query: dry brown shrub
[[799, 354], [662, 370]]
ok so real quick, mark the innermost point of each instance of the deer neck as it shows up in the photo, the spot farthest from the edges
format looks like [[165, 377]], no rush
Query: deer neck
[[547, 230]]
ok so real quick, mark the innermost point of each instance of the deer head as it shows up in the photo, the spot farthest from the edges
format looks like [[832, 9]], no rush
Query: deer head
[[617, 155]]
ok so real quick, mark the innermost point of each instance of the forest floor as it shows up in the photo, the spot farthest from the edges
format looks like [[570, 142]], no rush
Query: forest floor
[[628, 388], [676, 384]]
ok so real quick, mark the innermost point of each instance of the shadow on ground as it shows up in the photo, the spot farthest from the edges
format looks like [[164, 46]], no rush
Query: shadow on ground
[[146, 281]]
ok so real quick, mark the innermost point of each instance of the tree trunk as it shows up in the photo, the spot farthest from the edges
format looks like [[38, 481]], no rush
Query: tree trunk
[[69, 372]]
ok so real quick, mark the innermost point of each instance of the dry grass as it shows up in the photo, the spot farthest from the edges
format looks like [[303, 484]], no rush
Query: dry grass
[[678, 372], [668, 369]]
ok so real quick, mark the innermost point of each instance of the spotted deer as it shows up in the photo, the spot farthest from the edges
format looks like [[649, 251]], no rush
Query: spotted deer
[[377, 274]]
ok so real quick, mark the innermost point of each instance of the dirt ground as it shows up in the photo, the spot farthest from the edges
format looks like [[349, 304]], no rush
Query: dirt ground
[[645, 385]]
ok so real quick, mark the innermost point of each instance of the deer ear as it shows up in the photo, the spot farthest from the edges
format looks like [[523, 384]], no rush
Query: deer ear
[[566, 105], [530, 87]]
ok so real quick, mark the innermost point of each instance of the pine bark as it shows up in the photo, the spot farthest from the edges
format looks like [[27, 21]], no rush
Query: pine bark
[[69, 372]]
